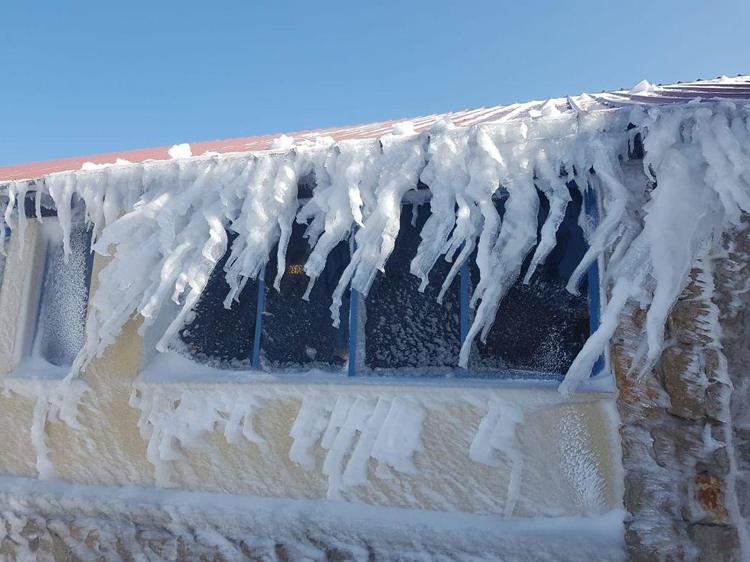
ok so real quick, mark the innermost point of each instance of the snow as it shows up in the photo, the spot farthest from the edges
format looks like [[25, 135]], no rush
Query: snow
[[497, 436], [165, 223], [642, 87], [98, 522], [171, 421], [180, 151]]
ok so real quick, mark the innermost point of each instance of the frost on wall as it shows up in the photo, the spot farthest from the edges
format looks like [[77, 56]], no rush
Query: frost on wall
[[354, 429], [496, 437], [173, 420], [166, 223]]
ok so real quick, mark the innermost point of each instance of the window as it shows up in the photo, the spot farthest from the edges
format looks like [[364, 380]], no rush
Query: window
[[292, 333], [296, 332], [538, 330], [219, 336], [405, 328], [60, 322], [540, 327]]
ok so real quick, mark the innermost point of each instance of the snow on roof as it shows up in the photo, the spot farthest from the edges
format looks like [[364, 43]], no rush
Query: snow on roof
[[737, 88]]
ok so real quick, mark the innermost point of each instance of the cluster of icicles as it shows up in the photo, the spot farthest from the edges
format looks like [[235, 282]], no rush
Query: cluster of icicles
[[165, 224]]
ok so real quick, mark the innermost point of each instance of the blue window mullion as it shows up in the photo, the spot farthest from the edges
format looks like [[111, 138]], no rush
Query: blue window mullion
[[353, 322], [259, 319]]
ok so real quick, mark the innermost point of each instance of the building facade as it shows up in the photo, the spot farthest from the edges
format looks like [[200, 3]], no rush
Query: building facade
[[509, 333]]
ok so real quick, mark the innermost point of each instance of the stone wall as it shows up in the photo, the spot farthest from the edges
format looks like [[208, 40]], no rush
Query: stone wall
[[685, 423]]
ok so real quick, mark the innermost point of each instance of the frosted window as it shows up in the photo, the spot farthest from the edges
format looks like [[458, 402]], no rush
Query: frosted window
[[405, 328], [60, 329], [220, 336], [540, 326], [5, 234], [297, 332]]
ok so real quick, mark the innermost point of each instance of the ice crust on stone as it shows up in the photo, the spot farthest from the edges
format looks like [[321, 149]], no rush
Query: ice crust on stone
[[166, 224]]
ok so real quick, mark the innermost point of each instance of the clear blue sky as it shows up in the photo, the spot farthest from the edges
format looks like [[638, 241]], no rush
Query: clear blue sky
[[82, 77]]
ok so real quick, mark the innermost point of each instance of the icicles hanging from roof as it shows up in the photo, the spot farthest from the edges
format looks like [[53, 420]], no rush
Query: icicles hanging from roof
[[446, 174], [166, 224], [401, 160], [686, 214]]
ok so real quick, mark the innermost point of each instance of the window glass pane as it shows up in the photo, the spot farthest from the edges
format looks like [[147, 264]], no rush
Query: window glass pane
[[296, 332], [540, 326], [60, 330], [5, 234], [405, 328], [218, 336]]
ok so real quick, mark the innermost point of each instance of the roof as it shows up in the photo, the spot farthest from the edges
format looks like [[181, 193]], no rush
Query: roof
[[736, 88]]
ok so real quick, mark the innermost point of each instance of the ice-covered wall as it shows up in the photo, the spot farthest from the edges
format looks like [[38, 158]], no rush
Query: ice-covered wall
[[437, 450], [480, 448], [684, 429], [436, 446]]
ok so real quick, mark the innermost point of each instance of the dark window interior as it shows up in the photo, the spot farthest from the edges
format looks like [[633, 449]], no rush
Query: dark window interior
[[218, 335], [406, 328], [541, 326], [297, 332]]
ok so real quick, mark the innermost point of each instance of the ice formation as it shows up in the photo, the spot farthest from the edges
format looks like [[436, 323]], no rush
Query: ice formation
[[496, 438], [165, 224], [170, 422], [352, 430]]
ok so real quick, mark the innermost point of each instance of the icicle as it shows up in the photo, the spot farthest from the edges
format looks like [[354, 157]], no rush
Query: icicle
[[8, 211], [444, 174], [61, 189], [3, 207], [681, 218], [335, 202], [256, 226], [485, 167], [92, 187], [501, 260], [401, 162], [285, 194], [38, 199], [497, 435], [556, 191], [608, 172]]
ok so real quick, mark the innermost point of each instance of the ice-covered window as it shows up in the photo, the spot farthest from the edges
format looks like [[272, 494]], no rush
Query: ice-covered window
[[299, 332], [219, 336], [60, 323], [6, 236], [540, 326], [403, 327], [538, 330]]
